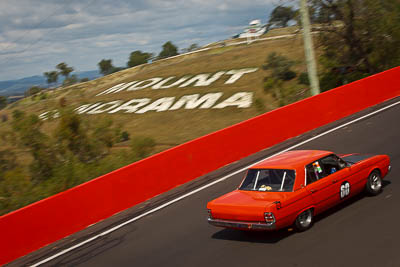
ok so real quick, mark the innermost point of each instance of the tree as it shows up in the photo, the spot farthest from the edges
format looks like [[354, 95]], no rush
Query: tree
[[281, 15], [138, 57], [72, 136], [87, 144], [105, 66], [103, 134], [33, 91], [116, 69], [191, 48], [30, 136], [321, 14], [64, 69], [279, 66], [358, 35], [280, 71], [52, 77], [169, 50], [3, 102], [70, 80]]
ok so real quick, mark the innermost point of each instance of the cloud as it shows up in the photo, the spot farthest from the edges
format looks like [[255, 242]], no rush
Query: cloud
[[35, 35]]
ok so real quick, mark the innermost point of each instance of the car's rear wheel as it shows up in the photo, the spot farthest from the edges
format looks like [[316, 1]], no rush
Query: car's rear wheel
[[374, 183], [304, 220]]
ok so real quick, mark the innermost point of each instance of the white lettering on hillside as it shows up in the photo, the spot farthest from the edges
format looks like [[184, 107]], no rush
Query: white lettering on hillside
[[241, 100], [43, 116], [197, 80], [203, 80], [161, 85], [237, 74], [147, 83], [132, 105], [86, 108], [54, 114], [117, 88], [143, 105], [193, 101], [109, 105], [161, 104]]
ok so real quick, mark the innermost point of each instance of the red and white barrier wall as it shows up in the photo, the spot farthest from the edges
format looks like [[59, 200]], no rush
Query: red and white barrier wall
[[51, 219]]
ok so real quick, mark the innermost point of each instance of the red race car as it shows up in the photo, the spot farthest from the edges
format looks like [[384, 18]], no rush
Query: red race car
[[293, 187]]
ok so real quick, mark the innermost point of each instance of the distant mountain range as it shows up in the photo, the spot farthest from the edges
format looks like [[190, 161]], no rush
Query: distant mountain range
[[18, 87]]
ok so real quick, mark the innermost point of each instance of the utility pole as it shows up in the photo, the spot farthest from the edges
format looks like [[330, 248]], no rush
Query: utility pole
[[309, 49]]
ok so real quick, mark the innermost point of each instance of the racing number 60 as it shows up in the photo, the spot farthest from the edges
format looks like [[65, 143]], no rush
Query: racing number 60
[[344, 190]]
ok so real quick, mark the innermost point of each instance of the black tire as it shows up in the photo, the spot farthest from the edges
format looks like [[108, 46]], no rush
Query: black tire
[[374, 183], [304, 220]]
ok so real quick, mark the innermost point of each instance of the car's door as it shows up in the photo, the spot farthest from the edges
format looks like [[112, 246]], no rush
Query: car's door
[[354, 179], [322, 178]]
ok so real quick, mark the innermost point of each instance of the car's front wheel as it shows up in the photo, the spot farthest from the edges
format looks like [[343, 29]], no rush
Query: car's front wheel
[[304, 220], [374, 183]]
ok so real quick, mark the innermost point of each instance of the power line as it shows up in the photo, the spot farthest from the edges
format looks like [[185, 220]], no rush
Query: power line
[[41, 38], [35, 27]]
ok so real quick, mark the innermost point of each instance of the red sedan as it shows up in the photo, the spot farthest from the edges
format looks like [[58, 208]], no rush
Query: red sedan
[[293, 187]]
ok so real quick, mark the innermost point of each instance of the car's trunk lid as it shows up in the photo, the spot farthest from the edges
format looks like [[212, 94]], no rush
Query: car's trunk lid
[[242, 205]]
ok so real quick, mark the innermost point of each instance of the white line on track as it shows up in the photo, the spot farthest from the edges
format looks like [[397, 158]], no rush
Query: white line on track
[[206, 186]]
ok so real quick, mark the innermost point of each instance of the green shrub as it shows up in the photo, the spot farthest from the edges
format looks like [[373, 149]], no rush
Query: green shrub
[[287, 75], [303, 78], [124, 136], [33, 91], [279, 66], [142, 146], [329, 81], [43, 96], [269, 84]]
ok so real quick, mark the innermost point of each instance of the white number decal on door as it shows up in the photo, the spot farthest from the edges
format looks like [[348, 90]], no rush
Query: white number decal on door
[[344, 190]]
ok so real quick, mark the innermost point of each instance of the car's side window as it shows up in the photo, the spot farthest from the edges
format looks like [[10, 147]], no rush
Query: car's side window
[[323, 167], [330, 164], [314, 172]]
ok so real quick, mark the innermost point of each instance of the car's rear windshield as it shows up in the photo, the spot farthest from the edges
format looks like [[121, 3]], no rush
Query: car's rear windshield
[[268, 180]]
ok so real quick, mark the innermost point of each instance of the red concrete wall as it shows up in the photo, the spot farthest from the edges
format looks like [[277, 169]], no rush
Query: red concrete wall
[[46, 221]]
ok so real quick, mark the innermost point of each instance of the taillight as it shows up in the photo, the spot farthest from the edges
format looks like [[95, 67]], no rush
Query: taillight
[[209, 214], [269, 218]]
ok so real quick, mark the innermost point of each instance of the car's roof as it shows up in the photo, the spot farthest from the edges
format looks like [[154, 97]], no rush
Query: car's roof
[[292, 159]]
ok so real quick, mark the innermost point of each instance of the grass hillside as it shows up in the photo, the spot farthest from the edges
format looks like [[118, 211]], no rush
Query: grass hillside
[[175, 127], [168, 128]]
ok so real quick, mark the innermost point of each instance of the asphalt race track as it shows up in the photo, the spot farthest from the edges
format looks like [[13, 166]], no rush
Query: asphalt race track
[[364, 231]]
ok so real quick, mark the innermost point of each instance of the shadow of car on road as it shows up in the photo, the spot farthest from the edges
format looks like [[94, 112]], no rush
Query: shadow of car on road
[[253, 236]]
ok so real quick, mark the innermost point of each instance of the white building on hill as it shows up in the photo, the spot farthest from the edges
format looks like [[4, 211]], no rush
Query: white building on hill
[[254, 30]]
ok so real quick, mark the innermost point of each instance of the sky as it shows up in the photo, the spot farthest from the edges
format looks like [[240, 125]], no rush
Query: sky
[[36, 35]]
